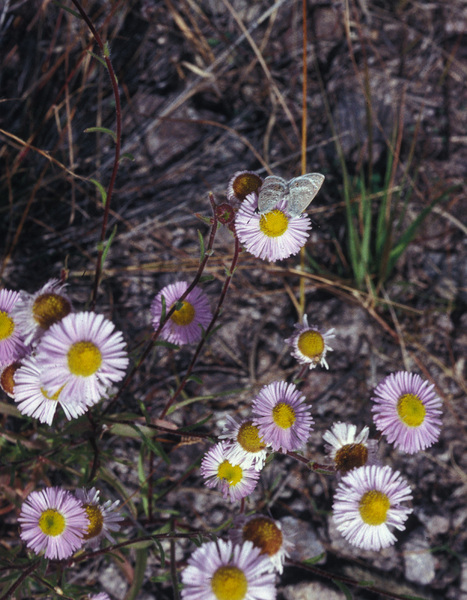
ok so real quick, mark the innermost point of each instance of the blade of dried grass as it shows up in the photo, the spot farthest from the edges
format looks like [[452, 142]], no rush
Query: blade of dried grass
[[265, 68]]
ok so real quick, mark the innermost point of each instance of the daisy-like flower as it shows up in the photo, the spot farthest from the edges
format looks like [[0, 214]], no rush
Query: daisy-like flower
[[221, 571], [347, 449], [184, 326], [221, 467], [272, 236], [266, 534], [241, 184], [81, 355], [33, 399], [102, 517], [244, 438], [282, 416], [53, 520], [407, 411], [309, 344], [12, 345], [101, 596], [367, 502], [35, 313]]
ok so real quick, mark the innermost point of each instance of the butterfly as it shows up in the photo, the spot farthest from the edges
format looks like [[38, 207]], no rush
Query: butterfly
[[299, 192]]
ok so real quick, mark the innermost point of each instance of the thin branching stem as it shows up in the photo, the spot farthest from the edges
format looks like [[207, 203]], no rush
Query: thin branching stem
[[227, 282], [118, 141], [170, 312]]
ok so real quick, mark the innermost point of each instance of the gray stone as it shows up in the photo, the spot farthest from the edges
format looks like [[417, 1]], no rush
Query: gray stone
[[419, 563], [311, 591], [304, 538]]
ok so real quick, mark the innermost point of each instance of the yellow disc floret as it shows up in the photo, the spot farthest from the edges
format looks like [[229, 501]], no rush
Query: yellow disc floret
[[229, 583], [311, 344], [231, 473], [84, 359], [49, 309], [52, 523], [96, 520], [283, 415], [274, 224], [248, 438], [411, 410], [184, 315], [350, 457], [264, 534], [6, 325], [373, 507]]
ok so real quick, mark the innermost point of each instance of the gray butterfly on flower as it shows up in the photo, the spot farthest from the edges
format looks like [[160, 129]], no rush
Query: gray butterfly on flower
[[299, 192]]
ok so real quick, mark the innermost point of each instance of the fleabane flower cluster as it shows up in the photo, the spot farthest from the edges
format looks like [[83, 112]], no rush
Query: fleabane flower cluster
[[50, 355], [57, 523], [74, 364], [280, 421]]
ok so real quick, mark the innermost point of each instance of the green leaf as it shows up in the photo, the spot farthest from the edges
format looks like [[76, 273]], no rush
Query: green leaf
[[101, 189], [138, 573], [410, 232], [99, 58], [343, 588], [315, 559], [201, 246], [107, 246], [128, 156], [102, 130]]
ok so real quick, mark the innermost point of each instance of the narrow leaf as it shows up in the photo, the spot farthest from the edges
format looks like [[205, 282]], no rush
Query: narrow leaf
[[101, 189], [112, 134]]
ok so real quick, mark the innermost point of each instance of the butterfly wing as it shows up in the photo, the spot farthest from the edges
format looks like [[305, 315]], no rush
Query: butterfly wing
[[271, 192], [302, 190]]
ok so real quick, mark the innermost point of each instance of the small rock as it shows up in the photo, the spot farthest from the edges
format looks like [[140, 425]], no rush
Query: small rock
[[303, 536], [311, 591], [419, 562]]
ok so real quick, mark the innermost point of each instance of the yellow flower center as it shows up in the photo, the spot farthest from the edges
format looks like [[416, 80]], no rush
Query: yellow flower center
[[49, 309], [350, 457], [373, 507], [84, 359], [6, 325], [184, 315], [96, 521], [311, 344], [411, 410], [7, 381], [274, 224], [264, 534], [52, 523], [231, 473], [249, 439], [283, 415], [229, 583]]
